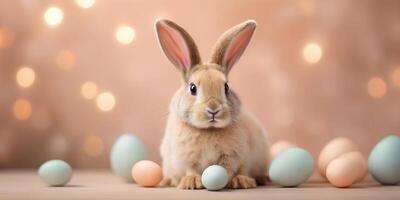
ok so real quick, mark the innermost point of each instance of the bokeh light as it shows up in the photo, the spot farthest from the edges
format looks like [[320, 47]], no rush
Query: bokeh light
[[6, 37], [105, 101], [125, 34], [396, 77], [65, 59], [22, 109], [307, 7], [376, 87], [53, 16], [85, 3], [93, 145], [89, 90], [312, 52], [25, 76]]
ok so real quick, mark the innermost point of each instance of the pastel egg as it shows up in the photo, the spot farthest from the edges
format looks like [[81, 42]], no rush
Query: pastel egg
[[291, 168], [147, 173], [332, 150], [55, 172], [126, 151], [278, 147], [384, 161], [346, 170], [361, 162], [214, 177]]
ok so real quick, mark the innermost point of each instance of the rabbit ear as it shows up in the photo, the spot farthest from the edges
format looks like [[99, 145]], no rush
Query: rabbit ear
[[177, 45], [232, 43]]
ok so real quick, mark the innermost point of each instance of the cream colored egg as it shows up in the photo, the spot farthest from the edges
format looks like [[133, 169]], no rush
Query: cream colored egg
[[342, 172], [147, 173], [332, 150], [360, 162], [278, 147]]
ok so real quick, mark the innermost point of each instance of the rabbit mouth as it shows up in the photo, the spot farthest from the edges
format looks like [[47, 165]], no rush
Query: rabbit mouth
[[213, 120]]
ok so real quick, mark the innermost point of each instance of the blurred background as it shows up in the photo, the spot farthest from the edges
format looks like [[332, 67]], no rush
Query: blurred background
[[75, 75]]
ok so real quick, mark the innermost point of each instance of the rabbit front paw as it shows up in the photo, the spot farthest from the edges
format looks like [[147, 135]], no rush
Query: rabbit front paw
[[191, 183], [242, 182]]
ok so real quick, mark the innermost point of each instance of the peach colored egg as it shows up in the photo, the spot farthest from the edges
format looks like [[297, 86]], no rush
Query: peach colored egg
[[332, 150], [278, 147], [342, 172], [360, 161], [147, 173]]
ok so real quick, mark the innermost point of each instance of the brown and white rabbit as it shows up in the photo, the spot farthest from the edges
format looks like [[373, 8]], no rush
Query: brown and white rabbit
[[206, 124]]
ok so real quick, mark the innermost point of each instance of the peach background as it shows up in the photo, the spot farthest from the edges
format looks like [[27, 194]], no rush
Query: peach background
[[308, 104]]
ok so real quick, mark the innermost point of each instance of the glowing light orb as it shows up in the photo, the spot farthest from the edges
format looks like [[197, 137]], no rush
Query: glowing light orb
[[93, 146], [376, 88], [53, 16], [85, 3], [125, 35], [65, 59], [396, 77], [25, 77], [105, 101], [22, 109], [6, 37], [312, 53], [89, 90]]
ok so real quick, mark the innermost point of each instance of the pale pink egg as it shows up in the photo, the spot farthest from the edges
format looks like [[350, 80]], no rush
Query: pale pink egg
[[347, 169], [332, 150], [147, 173], [278, 147], [361, 163], [342, 172]]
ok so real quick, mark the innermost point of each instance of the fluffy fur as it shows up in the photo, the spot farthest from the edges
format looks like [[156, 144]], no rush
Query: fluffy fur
[[209, 126]]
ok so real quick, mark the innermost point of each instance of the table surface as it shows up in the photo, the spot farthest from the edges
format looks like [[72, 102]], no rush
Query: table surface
[[102, 184]]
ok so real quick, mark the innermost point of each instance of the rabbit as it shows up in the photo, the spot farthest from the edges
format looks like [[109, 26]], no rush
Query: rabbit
[[206, 124]]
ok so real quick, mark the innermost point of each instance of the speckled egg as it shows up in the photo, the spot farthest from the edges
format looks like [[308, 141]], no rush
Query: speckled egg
[[55, 172], [214, 177], [291, 168], [126, 151], [384, 161]]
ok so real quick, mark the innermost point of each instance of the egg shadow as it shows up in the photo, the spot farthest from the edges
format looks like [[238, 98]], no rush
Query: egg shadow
[[68, 186]]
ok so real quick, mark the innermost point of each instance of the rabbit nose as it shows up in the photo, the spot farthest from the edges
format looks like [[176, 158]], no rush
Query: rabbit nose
[[213, 112]]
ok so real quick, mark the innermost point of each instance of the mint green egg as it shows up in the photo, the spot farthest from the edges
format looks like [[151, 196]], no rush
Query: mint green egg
[[291, 168], [126, 151], [214, 177], [55, 172], [384, 161]]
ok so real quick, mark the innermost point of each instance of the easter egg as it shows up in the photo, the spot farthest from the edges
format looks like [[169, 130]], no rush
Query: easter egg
[[291, 168], [384, 161], [347, 169], [147, 173], [332, 150], [55, 172], [214, 177], [278, 147], [126, 151]]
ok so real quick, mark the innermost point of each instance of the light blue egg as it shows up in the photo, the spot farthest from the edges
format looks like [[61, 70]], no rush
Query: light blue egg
[[126, 151], [291, 168], [214, 177], [55, 172], [384, 161]]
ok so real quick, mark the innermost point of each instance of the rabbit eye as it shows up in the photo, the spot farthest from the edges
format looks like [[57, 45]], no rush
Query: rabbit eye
[[226, 88], [193, 89]]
